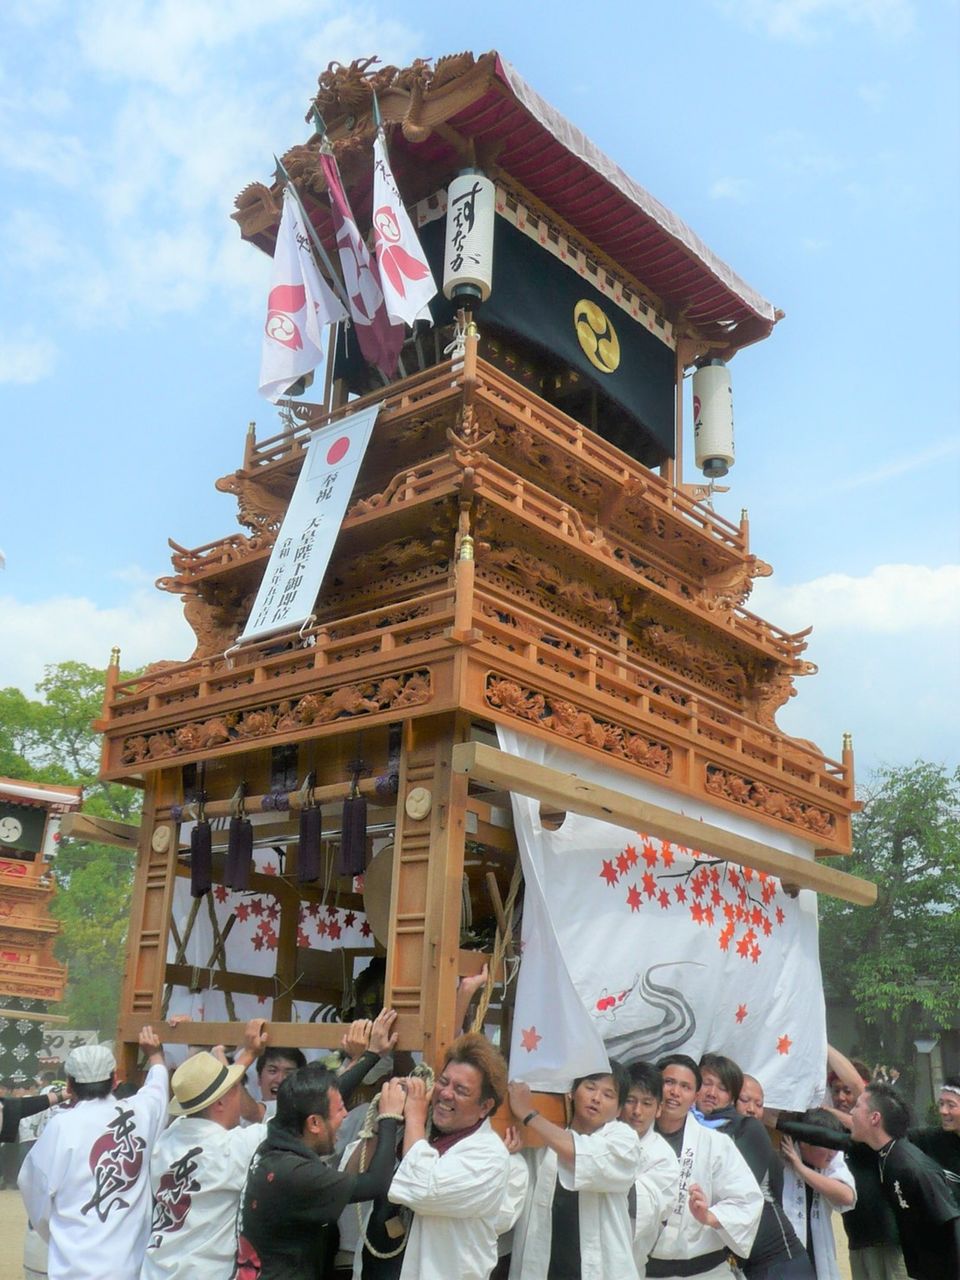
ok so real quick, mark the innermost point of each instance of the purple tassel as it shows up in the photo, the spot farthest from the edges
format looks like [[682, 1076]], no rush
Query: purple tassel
[[201, 859], [352, 858], [236, 871], [308, 857]]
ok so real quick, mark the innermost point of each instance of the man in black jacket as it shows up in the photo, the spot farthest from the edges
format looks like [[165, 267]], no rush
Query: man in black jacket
[[293, 1197], [942, 1142], [915, 1187]]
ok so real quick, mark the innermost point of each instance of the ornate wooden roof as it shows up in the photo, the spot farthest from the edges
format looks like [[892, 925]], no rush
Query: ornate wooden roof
[[479, 110]]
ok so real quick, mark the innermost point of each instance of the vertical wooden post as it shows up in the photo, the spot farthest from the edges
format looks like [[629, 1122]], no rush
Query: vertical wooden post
[[426, 893], [146, 955]]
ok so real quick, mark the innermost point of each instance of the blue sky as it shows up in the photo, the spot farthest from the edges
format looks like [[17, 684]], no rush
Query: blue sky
[[813, 144]]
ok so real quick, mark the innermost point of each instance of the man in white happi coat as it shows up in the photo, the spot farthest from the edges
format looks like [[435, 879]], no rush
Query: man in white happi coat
[[658, 1179], [85, 1183], [833, 1187], [576, 1219], [199, 1165], [718, 1205], [463, 1185]]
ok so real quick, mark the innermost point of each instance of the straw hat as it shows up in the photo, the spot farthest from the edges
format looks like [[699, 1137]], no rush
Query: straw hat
[[200, 1081]]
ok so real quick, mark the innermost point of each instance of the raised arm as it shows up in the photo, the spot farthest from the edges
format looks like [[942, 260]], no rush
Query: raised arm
[[837, 1193], [255, 1040], [845, 1071], [559, 1140], [382, 1041]]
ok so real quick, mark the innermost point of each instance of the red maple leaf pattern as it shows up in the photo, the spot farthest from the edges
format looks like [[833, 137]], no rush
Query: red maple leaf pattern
[[784, 1045], [530, 1039], [741, 1013], [742, 898]]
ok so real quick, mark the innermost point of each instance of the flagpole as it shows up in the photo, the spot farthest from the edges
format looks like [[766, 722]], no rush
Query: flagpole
[[315, 240]]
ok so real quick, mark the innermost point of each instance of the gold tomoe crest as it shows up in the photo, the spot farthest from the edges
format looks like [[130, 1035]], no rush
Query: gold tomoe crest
[[596, 336]]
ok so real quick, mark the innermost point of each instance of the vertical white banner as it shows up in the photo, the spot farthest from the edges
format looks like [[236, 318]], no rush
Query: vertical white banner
[[305, 542]]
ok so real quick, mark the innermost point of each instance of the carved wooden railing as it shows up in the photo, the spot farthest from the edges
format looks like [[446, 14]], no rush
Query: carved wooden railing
[[603, 458], [582, 663], [445, 382], [27, 923], [656, 575], [420, 391], [341, 644]]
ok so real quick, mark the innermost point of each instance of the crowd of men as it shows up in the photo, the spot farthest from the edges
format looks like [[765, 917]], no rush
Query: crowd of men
[[666, 1169]]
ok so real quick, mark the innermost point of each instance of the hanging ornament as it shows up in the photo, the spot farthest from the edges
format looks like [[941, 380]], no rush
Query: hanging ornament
[[311, 832], [201, 852], [239, 861], [352, 856]]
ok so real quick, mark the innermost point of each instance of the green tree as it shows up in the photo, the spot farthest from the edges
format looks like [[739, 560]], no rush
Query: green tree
[[51, 739], [898, 959]]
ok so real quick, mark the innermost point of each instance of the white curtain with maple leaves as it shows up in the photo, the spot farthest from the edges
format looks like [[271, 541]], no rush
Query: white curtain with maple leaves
[[635, 947], [251, 946]]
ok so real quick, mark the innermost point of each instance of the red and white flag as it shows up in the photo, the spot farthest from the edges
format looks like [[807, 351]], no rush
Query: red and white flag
[[300, 303], [636, 947], [380, 341], [405, 275]]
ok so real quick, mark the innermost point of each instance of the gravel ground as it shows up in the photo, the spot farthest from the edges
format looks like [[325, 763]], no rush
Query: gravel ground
[[13, 1224]]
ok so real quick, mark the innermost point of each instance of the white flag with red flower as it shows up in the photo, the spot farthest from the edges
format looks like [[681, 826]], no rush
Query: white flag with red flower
[[300, 303], [405, 275], [380, 341], [644, 947]]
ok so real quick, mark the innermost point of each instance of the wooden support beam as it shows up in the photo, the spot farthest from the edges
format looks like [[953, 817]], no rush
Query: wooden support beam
[[185, 975], [305, 1035], [53, 1018], [568, 792], [84, 826]]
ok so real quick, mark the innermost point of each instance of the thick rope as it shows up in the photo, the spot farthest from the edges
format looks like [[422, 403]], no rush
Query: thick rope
[[502, 941], [368, 1130]]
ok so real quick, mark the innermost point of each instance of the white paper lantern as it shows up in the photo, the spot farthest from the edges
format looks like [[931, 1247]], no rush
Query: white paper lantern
[[713, 419], [468, 252]]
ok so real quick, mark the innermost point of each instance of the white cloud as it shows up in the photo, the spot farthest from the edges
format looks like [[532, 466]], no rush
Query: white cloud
[[729, 188], [351, 35], [885, 646], [898, 467], [147, 627], [169, 43], [60, 158], [891, 598], [179, 113], [804, 21], [26, 359]]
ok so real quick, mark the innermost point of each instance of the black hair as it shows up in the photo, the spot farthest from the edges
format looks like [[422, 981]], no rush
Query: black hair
[[894, 1112], [726, 1071], [305, 1092], [274, 1051], [619, 1074], [681, 1060], [647, 1077], [92, 1091], [823, 1119], [951, 1082]]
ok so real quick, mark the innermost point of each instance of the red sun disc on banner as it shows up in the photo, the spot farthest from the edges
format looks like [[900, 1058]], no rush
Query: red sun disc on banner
[[337, 450]]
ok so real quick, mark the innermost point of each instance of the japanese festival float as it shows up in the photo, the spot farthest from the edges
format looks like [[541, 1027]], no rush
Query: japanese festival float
[[475, 681], [31, 978]]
